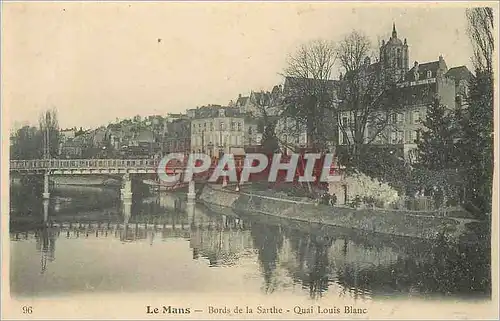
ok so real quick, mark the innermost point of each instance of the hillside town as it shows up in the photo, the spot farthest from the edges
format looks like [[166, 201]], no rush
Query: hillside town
[[394, 121], [297, 159], [216, 129]]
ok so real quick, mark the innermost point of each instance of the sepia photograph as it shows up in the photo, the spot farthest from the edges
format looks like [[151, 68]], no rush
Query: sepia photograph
[[249, 160]]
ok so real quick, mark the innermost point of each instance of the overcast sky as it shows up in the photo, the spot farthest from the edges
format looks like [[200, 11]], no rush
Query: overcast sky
[[96, 62]]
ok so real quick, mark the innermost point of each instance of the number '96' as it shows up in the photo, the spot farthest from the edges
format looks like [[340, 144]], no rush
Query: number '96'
[[27, 310]]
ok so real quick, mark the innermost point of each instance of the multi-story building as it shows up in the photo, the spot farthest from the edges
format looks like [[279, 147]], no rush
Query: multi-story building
[[215, 131], [64, 136], [260, 102], [404, 95]]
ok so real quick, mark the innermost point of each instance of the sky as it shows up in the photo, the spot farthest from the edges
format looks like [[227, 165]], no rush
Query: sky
[[96, 62]]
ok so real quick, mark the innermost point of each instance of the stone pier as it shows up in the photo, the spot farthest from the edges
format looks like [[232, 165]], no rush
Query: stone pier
[[46, 192], [45, 212], [191, 211], [126, 191], [127, 210], [191, 192]]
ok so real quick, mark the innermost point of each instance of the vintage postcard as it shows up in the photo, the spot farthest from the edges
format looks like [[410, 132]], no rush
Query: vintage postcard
[[249, 160]]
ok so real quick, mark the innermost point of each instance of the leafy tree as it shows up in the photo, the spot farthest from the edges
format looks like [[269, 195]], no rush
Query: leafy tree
[[476, 145], [26, 143], [30, 142], [436, 147], [438, 171]]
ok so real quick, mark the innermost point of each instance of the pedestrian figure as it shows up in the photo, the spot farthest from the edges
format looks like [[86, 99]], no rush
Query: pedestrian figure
[[333, 199]]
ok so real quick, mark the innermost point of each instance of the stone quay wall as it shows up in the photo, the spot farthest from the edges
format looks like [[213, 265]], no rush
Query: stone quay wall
[[400, 223]]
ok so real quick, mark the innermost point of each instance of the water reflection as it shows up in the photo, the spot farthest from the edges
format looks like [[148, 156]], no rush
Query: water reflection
[[282, 254]]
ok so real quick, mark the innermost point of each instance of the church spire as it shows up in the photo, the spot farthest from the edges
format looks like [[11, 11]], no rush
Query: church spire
[[394, 33]]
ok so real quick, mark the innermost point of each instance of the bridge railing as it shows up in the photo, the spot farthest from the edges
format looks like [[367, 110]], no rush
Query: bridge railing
[[83, 164]]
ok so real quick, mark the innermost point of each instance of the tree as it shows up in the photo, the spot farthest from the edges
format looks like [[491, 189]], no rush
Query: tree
[[438, 169], [480, 30], [367, 103], [26, 143], [266, 106], [476, 145], [437, 144], [309, 90], [49, 129]]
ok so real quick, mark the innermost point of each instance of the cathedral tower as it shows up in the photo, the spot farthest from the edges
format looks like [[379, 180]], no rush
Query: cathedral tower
[[394, 57]]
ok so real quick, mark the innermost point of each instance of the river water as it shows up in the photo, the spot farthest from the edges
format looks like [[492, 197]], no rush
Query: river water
[[160, 244]]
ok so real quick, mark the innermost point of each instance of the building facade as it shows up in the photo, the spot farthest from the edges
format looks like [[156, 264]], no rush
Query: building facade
[[411, 92], [215, 131]]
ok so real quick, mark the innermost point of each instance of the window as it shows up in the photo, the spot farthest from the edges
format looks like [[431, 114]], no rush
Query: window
[[416, 117], [416, 136], [250, 130], [221, 126], [344, 121], [345, 139], [429, 74], [211, 126], [400, 137], [232, 125], [393, 137], [400, 118], [205, 125], [239, 126], [394, 118]]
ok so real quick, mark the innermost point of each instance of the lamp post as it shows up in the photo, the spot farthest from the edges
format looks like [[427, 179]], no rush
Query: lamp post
[[211, 149], [203, 141]]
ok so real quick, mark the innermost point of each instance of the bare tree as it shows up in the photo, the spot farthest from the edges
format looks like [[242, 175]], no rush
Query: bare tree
[[309, 89], [49, 129], [480, 30], [367, 106]]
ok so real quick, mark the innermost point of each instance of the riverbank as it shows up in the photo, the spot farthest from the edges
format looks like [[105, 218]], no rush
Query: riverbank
[[392, 222]]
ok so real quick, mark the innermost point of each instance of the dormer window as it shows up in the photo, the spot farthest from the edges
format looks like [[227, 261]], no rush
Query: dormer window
[[429, 74]]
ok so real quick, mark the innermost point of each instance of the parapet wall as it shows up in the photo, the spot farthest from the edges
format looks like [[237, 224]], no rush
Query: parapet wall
[[390, 222]]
